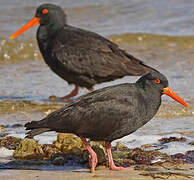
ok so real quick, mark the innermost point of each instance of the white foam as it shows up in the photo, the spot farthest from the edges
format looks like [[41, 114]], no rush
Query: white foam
[[134, 141], [177, 147], [4, 152]]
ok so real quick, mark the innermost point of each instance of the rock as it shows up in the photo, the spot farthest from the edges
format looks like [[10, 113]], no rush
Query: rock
[[145, 146], [10, 142], [120, 146], [192, 143], [69, 144], [28, 149], [143, 157], [99, 150], [172, 139], [3, 132], [101, 153], [178, 156], [54, 98], [58, 160], [49, 150], [27, 164], [190, 157], [2, 129]]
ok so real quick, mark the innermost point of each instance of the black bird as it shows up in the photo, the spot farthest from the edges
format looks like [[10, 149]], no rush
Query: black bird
[[79, 56], [109, 113]]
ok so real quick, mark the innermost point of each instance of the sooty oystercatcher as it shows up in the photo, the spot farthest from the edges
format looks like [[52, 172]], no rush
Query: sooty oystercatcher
[[109, 113], [78, 56]]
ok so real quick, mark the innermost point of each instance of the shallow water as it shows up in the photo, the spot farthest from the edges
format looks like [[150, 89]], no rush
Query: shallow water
[[173, 17]]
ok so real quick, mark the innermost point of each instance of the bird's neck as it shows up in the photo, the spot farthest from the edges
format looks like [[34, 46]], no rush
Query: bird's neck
[[153, 101], [46, 32]]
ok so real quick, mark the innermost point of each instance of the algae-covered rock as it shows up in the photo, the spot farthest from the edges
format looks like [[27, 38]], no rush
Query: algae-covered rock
[[99, 150], [10, 142], [144, 157], [3, 132], [28, 149], [58, 160], [69, 144], [172, 139], [49, 150], [120, 146]]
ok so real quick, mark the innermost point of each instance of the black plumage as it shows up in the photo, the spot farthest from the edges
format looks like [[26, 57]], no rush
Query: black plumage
[[109, 113], [79, 56]]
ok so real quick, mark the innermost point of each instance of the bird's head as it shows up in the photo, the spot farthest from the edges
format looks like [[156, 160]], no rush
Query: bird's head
[[156, 82], [46, 14]]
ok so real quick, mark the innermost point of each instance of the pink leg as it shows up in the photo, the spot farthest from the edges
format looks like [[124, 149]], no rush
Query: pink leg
[[112, 165], [92, 157], [72, 94]]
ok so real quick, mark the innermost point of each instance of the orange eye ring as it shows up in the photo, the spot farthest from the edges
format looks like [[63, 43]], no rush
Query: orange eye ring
[[157, 81], [45, 11]]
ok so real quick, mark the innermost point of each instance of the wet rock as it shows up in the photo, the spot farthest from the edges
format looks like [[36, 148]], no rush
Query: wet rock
[[28, 149], [120, 146], [99, 150], [192, 143], [2, 128], [2, 131], [144, 157], [49, 150], [69, 144], [145, 146], [190, 157], [54, 98], [60, 159], [172, 139], [10, 142], [178, 156], [26, 164]]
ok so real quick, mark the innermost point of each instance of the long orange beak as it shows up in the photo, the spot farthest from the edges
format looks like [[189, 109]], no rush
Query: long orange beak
[[34, 21], [173, 95]]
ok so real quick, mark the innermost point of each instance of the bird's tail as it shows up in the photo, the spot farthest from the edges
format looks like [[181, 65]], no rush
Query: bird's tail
[[35, 129]]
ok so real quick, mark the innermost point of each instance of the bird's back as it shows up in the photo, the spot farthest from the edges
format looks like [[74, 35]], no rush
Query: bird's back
[[105, 114], [88, 58]]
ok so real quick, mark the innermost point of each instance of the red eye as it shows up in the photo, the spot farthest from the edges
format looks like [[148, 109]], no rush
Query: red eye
[[45, 11], [157, 81]]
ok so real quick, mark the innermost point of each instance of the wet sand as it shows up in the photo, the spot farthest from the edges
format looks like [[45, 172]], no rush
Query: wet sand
[[181, 172]]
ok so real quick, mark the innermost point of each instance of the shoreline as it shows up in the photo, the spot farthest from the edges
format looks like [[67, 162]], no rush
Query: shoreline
[[102, 173]]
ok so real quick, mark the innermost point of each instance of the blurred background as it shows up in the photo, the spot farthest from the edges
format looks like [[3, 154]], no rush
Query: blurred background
[[26, 77], [159, 32]]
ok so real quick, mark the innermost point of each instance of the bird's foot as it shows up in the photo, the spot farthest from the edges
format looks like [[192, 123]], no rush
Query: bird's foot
[[118, 168], [93, 161], [71, 94]]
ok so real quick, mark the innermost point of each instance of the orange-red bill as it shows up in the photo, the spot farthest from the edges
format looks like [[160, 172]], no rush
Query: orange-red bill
[[173, 95], [34, 21]]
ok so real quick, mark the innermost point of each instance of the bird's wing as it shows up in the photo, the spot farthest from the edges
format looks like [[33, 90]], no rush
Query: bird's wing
[[87, 53], [98, 114]]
